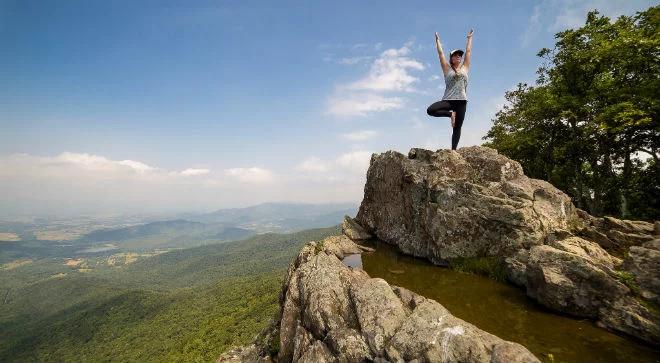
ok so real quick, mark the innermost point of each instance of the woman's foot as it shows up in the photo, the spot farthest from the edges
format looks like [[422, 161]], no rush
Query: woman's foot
[[453, 119]]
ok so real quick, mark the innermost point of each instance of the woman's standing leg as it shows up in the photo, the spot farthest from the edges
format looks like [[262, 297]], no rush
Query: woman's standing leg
[[440, 109], [460, 108]]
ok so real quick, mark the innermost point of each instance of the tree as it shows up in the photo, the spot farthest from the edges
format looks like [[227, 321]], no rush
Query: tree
[[590, 124]]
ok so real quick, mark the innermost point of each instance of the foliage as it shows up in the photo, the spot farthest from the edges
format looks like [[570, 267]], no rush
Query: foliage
[[590, 124]]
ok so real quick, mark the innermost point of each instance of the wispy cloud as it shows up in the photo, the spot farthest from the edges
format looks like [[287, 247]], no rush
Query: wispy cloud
[[313, 164], [86, 183], [390, 72], [354, 60], [381, 89], [251, 175], [195, 172], [360, 135], [358, 104], [552, 16], [417, 123], [533, 27], [354, 162]]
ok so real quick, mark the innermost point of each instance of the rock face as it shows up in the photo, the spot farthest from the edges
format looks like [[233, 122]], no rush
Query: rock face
[[353, 230], [475, 202], [450, 204], [332, 313]]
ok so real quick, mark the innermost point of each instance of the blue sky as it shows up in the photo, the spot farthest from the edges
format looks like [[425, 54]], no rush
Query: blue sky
[[123, 106]]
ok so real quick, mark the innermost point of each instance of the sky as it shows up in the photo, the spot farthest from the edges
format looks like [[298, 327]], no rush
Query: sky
[[167, 106]]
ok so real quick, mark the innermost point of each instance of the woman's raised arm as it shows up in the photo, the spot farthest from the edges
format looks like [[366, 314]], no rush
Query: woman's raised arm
[[468, 51], [441, 55]]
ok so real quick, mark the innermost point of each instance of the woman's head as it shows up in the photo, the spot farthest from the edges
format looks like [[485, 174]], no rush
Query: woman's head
[[455, 57]]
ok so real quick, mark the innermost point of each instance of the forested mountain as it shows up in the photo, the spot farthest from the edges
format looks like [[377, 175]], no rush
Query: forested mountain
[[189, 304]]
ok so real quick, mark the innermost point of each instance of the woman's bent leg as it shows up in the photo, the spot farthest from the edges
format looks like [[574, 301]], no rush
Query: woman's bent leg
[[460, 108], [439, 109]]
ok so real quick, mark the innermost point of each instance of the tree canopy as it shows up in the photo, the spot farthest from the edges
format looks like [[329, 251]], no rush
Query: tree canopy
[[590, 123]]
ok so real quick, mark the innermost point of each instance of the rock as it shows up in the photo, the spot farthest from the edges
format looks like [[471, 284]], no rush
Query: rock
[[467, 203], [353, 230], [630, 316], [615, 235], [516, 267], [644, 263], [431, 334], [474, 202], [332, 313], [569, 282], [590, 251], [248, 353]]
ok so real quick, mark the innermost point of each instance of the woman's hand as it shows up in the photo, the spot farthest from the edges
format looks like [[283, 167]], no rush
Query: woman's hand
[[437, 39], [469, 33]]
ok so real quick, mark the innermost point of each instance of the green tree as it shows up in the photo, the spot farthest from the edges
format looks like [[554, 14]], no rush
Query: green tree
[[590, 124]]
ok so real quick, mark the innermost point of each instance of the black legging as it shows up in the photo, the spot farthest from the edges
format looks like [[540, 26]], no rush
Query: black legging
[[443, 109]]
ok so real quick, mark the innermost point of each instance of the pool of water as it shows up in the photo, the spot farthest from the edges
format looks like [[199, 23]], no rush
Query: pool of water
[[503, 310]]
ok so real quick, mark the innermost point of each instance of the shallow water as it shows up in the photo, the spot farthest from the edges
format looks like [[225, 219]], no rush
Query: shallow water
[[503, 310]]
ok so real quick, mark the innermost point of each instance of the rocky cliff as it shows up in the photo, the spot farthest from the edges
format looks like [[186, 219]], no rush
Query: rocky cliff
[[475, 203], [447, 205]]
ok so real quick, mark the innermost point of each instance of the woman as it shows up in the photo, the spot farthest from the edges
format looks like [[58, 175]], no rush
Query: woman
[[454, 101]]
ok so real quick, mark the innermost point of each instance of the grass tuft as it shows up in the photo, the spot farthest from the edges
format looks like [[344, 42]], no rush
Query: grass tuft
[[628, 279], [491, 267]]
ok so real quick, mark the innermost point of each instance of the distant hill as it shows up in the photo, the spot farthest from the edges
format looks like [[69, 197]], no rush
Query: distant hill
[[279, 217], [116, 234], [167, 234]]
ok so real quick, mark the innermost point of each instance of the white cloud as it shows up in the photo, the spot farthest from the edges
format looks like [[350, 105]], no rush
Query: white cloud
[[355, 160], [251, 175], [95, 162], [417, 123], [313, 164], [137, 166], [361, 104], [390, 72], [353, 60], [381, 89], [79, 183], [195, 172], [348, 165], [360, 135], [86, 183]]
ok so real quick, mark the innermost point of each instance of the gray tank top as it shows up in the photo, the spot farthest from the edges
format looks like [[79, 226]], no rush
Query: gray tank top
[[455, 85]]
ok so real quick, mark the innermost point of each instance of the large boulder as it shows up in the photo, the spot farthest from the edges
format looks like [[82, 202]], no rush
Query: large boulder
[[466, 203]]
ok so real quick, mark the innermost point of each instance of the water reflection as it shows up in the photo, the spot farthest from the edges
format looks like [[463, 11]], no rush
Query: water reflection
[[503, 310]]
